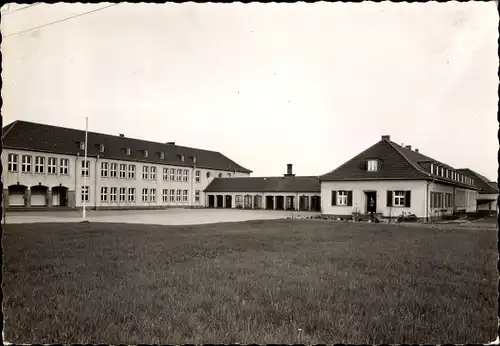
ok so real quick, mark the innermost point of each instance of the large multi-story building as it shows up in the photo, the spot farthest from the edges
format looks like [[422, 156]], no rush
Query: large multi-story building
[[44, 166]]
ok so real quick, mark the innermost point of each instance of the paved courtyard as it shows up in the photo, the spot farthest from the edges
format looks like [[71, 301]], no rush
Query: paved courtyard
[[157, 217]]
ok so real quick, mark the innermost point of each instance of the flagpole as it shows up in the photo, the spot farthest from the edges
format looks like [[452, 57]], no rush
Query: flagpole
[[85, 165]]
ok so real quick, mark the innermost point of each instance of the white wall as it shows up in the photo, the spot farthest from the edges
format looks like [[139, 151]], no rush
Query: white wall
[[32, 179], [417, 188], [74, 180]]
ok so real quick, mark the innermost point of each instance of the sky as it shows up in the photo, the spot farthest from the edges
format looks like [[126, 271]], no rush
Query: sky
[[264, 84]]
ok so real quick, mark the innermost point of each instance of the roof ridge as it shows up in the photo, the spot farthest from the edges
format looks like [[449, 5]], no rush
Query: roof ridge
[[420, 169]]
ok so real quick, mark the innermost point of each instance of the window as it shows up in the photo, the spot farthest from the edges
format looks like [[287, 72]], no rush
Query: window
[[123, 171], [26, 164], [162, 156], [165, 195], [123, 191], [152, 195], [104, 194], [82, 145], [165, 173], [146, 153], [113, 170], [39, 164], [152, 173], [64, 166], [179, 175], [197, 196], [13, 160], [85, 193], [101, 148], [172, 174], [185, 176], [372, 165], [128, 151], [52, 165], [131, 171], [197, 176], [112, 194], [85, 168], [399, 198], [178, 195], [220, 175], [104, 169], [145, 172], [432, 168], [185, 196], [145, 195], [342, 198], [131, 194], [172, 195]]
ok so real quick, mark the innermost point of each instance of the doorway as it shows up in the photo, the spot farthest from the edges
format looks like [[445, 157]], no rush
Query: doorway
[[269, 202], [371, 202], [211, 201], [229, 201]]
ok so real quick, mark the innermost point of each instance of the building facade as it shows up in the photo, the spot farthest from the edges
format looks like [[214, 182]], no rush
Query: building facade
[[44, 166], [390, 180], [487, 194]]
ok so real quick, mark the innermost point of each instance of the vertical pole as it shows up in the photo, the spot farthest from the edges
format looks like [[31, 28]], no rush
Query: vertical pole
[[85, 165]]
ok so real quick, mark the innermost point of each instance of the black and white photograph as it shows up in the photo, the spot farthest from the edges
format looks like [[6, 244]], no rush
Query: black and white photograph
[[250, 173]]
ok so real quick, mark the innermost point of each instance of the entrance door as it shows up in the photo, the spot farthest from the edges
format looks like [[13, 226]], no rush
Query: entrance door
[[16, 196], [220, 201], [371, 202]]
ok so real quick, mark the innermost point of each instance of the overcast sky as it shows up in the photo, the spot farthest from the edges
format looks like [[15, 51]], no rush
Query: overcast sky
[[265, 84]]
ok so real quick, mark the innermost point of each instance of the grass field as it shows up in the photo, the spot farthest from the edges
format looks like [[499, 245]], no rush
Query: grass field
[[252, 282]]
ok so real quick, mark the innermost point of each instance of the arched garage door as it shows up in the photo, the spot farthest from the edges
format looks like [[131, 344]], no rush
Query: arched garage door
[[38, 196], [16, 195]]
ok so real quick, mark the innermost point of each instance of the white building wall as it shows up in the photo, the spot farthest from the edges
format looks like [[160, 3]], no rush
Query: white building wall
[[74, 180], [359, 201]]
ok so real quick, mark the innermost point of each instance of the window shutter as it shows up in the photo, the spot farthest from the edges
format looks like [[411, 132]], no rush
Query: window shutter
[[408, 199], [334, 197], [389, 198], [349, 198]]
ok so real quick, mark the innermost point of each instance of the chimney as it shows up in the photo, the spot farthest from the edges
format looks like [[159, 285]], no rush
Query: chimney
[[386, 137], [170, 143], [122, 135], [408, 147], [289, 171], [416, 150]]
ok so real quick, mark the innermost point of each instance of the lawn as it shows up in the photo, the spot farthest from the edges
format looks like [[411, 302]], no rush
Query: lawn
[[281, 281]]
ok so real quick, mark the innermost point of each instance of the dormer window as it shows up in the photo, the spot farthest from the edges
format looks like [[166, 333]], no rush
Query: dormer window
[[162, 156], [128, 151], [146, 153], [194, 159], [101, 148], [82, 145], [372, 165], [181, 157]]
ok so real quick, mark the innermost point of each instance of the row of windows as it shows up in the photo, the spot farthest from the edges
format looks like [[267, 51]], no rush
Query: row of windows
[[396, 198], [123, 194], [111, 170], [450, 174], [39, 166], [441, 200]]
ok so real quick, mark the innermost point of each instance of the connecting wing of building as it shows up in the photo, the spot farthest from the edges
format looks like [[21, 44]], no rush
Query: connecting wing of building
[[44, 165]]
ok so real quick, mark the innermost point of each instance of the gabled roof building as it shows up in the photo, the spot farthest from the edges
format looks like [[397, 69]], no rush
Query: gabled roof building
[[388, 179]]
